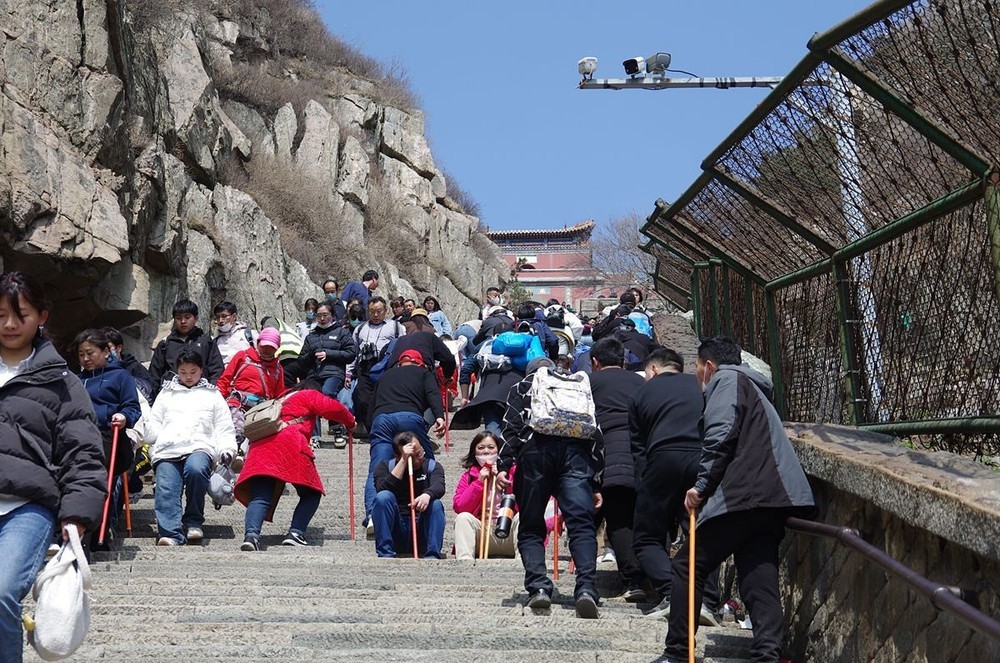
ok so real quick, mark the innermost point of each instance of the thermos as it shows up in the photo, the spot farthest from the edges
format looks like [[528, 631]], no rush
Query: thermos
[[505, 517]]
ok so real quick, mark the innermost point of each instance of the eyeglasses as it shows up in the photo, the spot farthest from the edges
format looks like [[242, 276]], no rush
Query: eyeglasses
[[324, 315]]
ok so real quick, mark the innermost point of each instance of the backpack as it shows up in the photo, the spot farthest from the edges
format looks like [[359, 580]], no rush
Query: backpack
[[379, 367], [264, 420], [520, 347], [641, 321], [490, 362], [562, 405]]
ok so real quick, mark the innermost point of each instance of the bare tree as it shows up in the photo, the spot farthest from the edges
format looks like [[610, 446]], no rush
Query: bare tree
[[617, 255]]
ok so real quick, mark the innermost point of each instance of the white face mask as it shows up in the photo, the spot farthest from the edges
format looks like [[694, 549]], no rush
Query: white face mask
[[494, 301], [226, 328], [487, 460]]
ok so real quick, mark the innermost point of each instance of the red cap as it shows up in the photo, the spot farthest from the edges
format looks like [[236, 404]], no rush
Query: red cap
[[413, 356]]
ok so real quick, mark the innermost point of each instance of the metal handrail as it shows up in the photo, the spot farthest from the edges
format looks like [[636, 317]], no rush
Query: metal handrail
[[962, 603]]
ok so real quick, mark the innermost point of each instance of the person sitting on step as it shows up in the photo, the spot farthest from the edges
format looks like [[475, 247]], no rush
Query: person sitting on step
[[480, 464]]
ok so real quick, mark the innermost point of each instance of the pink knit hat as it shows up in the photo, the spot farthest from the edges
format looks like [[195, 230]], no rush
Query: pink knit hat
[[269, 336]]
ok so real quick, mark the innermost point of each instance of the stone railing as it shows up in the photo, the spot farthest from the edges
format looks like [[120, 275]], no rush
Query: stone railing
[[936, 512]]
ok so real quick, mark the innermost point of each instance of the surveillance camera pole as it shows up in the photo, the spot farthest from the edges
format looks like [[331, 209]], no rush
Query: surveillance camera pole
[[657, 83]]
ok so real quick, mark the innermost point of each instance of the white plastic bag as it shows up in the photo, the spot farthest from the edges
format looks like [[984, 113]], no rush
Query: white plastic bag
[[62, 607]]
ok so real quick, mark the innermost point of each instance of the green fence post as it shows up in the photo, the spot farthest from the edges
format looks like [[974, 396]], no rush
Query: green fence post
[[993, 219], [713, 293], [846, 319], [775, 344], [751, 345], [727, 304], [696, 297]]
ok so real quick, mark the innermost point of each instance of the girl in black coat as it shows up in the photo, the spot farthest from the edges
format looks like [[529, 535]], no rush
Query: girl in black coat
[[51, 456]]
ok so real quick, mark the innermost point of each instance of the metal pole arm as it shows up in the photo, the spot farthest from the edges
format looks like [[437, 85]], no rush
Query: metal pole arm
[[653, 83]]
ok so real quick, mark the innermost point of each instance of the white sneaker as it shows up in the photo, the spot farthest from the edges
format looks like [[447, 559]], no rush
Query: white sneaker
[[167, 541], [370, 527], [708, 618], [195, 534]]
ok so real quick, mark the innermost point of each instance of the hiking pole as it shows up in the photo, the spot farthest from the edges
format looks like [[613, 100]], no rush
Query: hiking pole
[[555, 539], [489, 521], [111, 478], [691, 621], [128, 505], [482, 517], [444, 403], [350, 478], [413, 510]]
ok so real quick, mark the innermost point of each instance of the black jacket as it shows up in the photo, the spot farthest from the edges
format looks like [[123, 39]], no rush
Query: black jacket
[[51, 452], [143, 380], [338, 343], [613, 388], [491, 325], [408, 389], [430, 347], [163, 365], [665, 412], [431, 482]]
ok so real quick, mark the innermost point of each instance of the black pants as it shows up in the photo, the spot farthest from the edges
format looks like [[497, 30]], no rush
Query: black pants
[[752, 538], [659, 505], [618, 511]]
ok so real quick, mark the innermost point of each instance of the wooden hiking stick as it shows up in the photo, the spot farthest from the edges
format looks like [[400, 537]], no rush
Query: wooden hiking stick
[[111, 478], [444, 403], [413, 510], [128, 506], [482, 518], [489, 521], [555, 539], [350, 478], [691, 622]]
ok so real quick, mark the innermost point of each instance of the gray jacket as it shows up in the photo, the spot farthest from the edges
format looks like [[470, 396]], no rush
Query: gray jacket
[[747, 461]]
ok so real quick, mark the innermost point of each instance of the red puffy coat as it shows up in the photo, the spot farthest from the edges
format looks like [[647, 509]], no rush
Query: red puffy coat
[[249, 374], [287, 456]]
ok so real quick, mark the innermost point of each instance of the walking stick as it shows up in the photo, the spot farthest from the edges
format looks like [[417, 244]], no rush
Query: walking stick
[[447, 432], [482, 518], [413, 511], [489, 520], [555, 539], [111, 478], [691, 622], [350, 478], [128, 505]]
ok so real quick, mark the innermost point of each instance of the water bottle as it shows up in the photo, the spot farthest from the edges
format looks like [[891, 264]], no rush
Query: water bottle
[[505, 517]]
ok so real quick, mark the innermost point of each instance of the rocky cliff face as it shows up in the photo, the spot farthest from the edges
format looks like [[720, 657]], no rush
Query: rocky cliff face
[[134, 170]]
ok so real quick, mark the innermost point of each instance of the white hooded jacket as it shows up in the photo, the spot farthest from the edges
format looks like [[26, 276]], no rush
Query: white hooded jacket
[[184, 420]]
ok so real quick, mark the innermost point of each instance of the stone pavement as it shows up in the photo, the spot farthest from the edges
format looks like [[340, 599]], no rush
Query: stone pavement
[[335, 600]]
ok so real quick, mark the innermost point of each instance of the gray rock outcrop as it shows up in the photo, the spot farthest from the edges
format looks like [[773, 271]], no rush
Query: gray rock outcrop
[[134, 148]]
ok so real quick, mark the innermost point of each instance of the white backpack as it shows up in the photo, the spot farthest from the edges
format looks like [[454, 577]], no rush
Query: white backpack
[[562, 405]]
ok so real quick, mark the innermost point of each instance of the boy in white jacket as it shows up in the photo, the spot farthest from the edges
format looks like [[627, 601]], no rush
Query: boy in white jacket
[[189, 429]]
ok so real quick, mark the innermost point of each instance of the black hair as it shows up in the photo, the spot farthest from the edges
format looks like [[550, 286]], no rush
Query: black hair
[[401, 440], [355, 312], [721, 350], [608, 351], [14, 285], [664, 357], [410, 300], [377, 300], [493, 288], [552, 302], [309, 384], [312, 301], [627, 299], [396, 301], [185, 307], [437, 304], [637, 293], [96, 336], [469, 460], [525, 312], [327, 305], [336, 286], [369, 275], [224, 307], [114, 336], [189, 357]]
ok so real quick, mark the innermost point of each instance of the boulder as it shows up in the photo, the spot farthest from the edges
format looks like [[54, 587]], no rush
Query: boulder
[[353, 172], [317, 151], [405, 182], [285, 128], [402, 138]]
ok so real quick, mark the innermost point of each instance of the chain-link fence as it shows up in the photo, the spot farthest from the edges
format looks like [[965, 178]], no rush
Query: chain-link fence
[[848, 231]]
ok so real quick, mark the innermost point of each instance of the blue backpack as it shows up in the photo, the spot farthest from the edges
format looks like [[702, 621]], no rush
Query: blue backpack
[[641, 321], [520, 347], [379, 367]]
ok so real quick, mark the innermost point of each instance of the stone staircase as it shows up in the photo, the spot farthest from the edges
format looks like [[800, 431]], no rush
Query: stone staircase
[[336, 601]]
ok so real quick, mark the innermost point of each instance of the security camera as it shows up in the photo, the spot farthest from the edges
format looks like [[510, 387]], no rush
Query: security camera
[[587, 66], [634, 66], [658, 63]]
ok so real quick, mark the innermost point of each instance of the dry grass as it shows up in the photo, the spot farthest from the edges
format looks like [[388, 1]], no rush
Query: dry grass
[[256, 86], [464, 199], [386, 231]]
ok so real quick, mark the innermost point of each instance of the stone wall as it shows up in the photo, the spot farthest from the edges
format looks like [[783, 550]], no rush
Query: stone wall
[[936, 512]]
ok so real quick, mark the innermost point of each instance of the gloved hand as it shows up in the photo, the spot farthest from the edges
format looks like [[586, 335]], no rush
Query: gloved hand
[[226, 458]]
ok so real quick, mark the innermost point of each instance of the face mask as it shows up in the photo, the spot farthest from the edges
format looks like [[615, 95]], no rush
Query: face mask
[[355, 323], [226, 328], [310, 315], [483, 460], [112, 355], [331, 296], [494, 301]]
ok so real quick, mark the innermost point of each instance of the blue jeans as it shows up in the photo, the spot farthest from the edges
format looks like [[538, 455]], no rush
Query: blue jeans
[[493, 418], [392, 527], [261, 496], [25, 534], [384, 428], [558, 467], [189, 476], [331, 387]]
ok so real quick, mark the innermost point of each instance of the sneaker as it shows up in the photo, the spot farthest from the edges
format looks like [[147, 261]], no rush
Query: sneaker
[[586, 606], [540, 600], [369, 526], [167, 541], [708, 618], [661, 611], [195, 534], [294, 538], [634, 595], [249, 544], [608, 556]]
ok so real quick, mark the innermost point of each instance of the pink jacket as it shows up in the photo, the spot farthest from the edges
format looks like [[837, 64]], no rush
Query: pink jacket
[[469, 492]]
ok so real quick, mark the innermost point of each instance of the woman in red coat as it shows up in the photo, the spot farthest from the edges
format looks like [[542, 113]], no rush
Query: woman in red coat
[[253, 375], [287, 458]]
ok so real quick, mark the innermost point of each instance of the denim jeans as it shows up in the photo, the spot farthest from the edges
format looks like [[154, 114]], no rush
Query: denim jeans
[[384, 428], [558, 467], [261, 497], [493, 418], [331, 387], [25, 534], [392, 527], [188, 476]]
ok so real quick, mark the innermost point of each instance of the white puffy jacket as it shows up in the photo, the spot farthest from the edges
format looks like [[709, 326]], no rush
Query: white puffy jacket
[[184, 420]]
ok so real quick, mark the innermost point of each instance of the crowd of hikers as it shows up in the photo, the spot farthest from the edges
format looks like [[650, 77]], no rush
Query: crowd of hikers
[[577, 422]]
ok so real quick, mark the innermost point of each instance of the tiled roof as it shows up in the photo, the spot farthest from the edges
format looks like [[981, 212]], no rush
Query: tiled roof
[[582, 229]]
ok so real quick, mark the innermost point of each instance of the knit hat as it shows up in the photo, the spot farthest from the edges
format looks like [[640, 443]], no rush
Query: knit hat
[[412, 355], [269, 336]]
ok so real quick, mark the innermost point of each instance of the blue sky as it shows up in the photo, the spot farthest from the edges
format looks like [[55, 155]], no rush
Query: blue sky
[[497, 82]]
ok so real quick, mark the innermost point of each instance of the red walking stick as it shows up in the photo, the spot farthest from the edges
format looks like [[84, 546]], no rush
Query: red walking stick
[[691, 622], [111, 478], [555, 539], [447, 433], [128, 504], [413, 510], [350, 478]]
